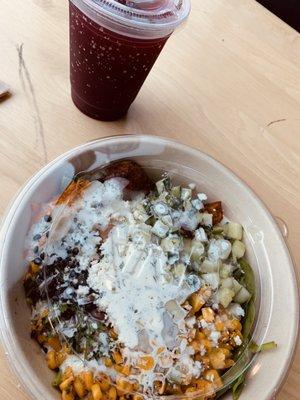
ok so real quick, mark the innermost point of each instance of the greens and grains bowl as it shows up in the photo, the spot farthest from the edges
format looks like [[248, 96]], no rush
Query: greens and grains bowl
[[141, 280]]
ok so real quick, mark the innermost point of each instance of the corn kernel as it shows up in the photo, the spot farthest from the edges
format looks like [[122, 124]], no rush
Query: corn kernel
[[219, 326], [123, 387], [229, 363], [67, 395], [146, 363], [34, 268], [212, 376], [51, 359], [195, 345], [126, 370], [66, 383], [79, 387], [104, 383], [196, 301], [67, 373], [208, 314], [137, 397], [54, 342], [234, 325], [60, 358], [117, 357], [88, 379], [118, 368], [107, 362], [217, 359], [204, 387], [112, 393], [96, 391]]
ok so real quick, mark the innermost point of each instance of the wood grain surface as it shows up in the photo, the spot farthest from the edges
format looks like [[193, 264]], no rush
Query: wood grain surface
[[228, 84]]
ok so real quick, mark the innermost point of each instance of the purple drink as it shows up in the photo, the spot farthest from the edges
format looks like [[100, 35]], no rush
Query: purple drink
[[111, 55]]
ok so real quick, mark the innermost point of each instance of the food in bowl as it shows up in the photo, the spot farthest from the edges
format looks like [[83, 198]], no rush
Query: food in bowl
[[137, 288]]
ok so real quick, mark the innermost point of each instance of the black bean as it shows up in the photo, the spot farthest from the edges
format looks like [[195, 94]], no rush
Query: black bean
[[48, 218], [75, 251], [72, 274], [36, 249], [47, 234], [98, 315], [37, 237], [42, 256]]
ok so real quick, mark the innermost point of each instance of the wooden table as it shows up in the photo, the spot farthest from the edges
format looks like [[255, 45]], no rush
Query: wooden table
[[229, 84]]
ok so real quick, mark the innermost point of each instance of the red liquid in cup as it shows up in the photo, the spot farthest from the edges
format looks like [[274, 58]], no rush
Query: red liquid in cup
[[107, 69]]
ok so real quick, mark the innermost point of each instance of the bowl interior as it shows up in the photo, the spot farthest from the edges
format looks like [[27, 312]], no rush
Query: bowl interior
[[276, 297]]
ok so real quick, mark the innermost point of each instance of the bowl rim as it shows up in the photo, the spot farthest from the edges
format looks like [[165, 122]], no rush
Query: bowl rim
[[75, 151]]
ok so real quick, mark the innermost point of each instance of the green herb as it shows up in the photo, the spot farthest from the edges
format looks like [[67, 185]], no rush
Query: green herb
[[151, 220], [238, 386], [57, 380], [63, 307]]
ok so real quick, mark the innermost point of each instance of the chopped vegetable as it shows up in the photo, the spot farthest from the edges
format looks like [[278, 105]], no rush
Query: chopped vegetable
[[233, 230], [263, 347]]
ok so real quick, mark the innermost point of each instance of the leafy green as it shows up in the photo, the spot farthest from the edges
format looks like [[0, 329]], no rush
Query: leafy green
[[238, 386], [254, 348], [248, 319], [248, 281]]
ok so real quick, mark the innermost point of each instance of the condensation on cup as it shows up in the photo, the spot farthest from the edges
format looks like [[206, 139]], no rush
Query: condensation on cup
[[113, 46]]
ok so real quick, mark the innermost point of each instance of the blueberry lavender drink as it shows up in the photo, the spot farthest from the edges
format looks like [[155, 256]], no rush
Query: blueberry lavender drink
[[113, 46]]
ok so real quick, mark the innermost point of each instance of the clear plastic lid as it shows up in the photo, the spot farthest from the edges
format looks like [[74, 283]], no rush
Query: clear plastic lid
[[146, 19]]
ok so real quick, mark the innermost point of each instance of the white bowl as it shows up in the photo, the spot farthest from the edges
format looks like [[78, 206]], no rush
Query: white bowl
[[277, 300]]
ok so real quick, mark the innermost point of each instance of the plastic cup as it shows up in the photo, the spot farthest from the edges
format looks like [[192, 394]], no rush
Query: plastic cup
[[113, 46]]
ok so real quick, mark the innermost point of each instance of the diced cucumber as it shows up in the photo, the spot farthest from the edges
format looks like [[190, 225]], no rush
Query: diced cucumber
[[219, 249], [238, 249], [186, 193], [232, 284], [160, 208], [167, 220], [226, 270], [212, 279], [242, 296], [205, 219], [171, 244], [187, 205], [175, 310], [236, 286], [210, 266], [225, 296], [233, 230], [179, 270], [159, 229], [196, 203], [197, 250], [201, 235], [160, 186], [227, 283], [176, 191], [140, 213]]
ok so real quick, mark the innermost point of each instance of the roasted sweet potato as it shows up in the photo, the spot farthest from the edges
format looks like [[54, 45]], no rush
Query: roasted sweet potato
[[138, 180], [216, 210]]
